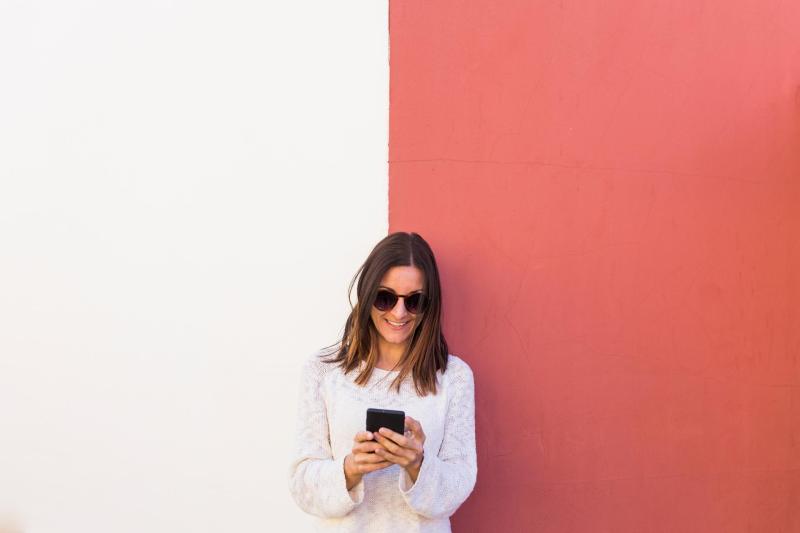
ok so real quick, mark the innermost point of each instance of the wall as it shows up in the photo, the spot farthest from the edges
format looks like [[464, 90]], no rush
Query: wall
[[185, 191], [612, 190]]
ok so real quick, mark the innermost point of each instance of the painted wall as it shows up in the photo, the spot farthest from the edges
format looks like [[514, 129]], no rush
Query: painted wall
[[612, 190], [185, 191]]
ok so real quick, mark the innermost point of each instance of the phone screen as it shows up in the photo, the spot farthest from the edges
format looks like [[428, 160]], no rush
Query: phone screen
[[386, 418]]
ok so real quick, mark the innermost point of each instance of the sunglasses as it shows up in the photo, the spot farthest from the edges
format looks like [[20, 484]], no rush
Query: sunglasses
[[386, 300]]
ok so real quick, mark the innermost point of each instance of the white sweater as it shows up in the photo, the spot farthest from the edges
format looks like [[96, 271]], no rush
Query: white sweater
[[332, 409]]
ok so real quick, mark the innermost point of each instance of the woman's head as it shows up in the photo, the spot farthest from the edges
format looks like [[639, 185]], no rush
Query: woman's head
[[398, 306]]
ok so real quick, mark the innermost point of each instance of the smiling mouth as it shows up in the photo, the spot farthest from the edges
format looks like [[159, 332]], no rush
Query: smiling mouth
[[397, 325]]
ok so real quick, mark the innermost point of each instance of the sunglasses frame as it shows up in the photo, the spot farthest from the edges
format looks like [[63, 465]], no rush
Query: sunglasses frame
[[396, 296]]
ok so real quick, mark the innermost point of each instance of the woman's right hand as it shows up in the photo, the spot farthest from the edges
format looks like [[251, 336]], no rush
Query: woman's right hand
[[362, 459]]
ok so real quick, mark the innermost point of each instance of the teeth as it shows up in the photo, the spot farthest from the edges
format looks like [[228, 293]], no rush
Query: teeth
[[396, 323]]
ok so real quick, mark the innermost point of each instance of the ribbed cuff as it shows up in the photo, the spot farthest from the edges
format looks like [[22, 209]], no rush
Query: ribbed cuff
[[407, 485]]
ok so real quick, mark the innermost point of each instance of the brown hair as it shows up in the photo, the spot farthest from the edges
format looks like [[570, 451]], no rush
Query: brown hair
[[427, 352]]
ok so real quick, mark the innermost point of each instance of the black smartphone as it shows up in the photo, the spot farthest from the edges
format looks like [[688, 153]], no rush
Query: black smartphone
[[386, 418]]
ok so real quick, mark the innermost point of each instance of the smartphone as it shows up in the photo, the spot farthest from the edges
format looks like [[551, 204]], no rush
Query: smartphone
[[386, 418]]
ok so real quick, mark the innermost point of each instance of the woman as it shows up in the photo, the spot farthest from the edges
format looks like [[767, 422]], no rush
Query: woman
[[392, 355]]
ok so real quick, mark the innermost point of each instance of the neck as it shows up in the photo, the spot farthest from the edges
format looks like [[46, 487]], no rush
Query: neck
[[389, 355]]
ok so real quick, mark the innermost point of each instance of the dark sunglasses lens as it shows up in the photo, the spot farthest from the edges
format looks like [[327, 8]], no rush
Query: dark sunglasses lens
[[385, 300], [414, 303]]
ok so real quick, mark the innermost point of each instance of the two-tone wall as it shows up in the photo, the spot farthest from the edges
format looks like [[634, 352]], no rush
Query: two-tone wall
[[611, 189]]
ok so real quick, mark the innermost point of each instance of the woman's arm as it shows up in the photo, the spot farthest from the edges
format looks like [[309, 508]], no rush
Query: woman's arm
[[446, 479], [317, 480]]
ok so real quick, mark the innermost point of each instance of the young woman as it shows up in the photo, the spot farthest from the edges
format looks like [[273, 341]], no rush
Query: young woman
[[392, 355]]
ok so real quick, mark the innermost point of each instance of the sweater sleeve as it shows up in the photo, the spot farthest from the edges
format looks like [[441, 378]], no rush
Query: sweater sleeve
[[446, 480], [316, 479]]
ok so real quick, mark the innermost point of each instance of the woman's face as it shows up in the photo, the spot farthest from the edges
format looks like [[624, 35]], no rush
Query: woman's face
[[397, 325]]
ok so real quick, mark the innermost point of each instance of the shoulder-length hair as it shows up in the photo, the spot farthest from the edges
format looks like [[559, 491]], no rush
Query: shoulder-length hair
[[427, 352]]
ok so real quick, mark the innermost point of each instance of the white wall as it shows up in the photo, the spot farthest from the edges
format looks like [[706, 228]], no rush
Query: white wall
[[185, 190]]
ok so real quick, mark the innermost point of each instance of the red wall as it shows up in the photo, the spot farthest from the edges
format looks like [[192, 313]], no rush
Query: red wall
[[613, 193]]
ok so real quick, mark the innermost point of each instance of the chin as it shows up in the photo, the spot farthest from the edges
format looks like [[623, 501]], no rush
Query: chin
[[393, 338]]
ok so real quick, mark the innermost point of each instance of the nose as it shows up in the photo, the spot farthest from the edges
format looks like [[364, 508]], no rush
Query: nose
[[399, 309]]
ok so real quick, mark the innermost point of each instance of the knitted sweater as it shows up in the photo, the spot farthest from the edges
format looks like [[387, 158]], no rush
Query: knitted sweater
[[332, 409]]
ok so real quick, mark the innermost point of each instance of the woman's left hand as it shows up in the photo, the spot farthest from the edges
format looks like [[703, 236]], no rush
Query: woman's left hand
[[404, 450]]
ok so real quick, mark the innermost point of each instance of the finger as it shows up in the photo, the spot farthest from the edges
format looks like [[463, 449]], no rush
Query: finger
[[396, 458], [394, 449], [365, 469], [396, 437], [411, 451], [416, 428], [413, 425], [363, 436], [387, 444], [367, 458], [366, 447]]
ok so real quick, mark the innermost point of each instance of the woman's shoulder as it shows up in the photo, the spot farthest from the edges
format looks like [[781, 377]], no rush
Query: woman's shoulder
[[319, 362], [457, 368]]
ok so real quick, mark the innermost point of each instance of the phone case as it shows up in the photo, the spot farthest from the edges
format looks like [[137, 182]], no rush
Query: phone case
[[386, 418]]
